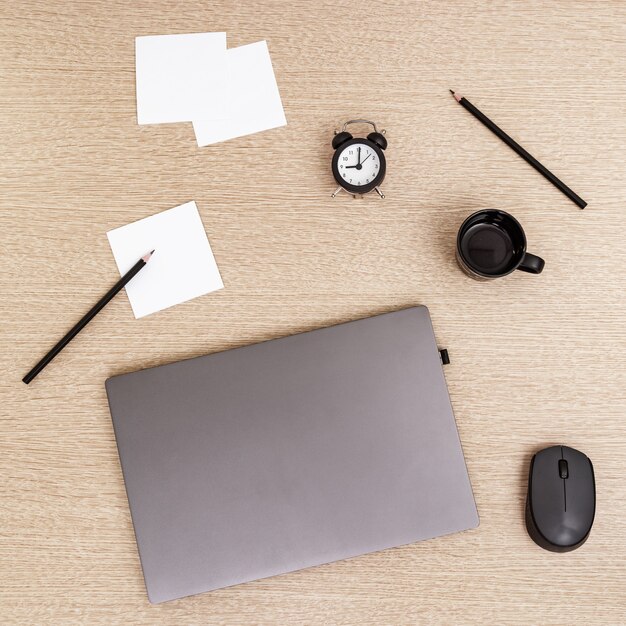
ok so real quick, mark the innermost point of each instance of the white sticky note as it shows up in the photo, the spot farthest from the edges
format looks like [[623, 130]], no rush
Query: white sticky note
[[255, 100], [182, 266], [181, 78]]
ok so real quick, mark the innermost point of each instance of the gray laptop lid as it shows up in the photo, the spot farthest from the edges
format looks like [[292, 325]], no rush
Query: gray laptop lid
[[290, 453]]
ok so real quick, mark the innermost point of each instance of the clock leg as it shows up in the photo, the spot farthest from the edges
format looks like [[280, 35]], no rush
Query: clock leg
[[379, 192], [332, 195]]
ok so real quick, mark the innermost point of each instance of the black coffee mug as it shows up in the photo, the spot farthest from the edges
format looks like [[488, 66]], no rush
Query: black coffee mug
[[491, 244]]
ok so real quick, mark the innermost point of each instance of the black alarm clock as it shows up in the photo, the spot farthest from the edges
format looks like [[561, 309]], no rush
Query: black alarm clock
[[359, 164]]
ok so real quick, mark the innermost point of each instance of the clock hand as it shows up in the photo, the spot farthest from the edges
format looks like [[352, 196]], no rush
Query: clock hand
[[359, 153], [358, 165]]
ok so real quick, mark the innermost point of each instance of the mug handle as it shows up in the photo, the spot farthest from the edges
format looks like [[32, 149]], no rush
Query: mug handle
[[532, 264]]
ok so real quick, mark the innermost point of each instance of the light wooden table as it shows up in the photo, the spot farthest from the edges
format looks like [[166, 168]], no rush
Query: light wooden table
[[535, 360]]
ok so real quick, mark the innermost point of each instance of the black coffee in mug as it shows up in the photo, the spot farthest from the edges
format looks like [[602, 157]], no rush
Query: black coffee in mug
[[491, 244]]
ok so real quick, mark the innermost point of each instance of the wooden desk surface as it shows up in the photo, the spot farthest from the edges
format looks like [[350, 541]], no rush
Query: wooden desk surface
[[535, 360]]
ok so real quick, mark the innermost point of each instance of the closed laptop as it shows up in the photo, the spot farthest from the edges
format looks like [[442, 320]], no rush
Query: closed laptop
[[290, 453]]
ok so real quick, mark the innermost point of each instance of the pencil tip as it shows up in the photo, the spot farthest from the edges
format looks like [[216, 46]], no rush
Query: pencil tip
[[152, 252], [146, 257], [451, 91]]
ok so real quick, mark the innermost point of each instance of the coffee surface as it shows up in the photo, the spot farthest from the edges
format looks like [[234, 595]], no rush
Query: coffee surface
[[488, 248]]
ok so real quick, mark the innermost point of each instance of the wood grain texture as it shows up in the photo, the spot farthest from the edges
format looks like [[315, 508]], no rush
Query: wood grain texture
[[535, 360]]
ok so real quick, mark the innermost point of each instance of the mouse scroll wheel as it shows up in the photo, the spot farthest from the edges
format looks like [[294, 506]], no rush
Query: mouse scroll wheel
[[563, 471]]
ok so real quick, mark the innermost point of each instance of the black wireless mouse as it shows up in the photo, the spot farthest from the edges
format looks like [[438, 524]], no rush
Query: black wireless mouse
[[561, 502]]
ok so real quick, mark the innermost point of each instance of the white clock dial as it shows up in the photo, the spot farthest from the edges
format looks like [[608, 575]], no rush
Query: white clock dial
[[358, 164]]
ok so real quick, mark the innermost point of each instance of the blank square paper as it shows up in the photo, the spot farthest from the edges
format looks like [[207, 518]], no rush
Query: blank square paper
[[182, 266], [181, 77], [255, 101]]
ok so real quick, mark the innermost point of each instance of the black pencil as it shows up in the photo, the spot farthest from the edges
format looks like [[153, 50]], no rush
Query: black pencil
[[106, 298], [529, 158]]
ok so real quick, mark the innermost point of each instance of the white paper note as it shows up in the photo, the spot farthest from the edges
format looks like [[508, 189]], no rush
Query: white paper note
[[182, 266], [181, 77], [255, 100]]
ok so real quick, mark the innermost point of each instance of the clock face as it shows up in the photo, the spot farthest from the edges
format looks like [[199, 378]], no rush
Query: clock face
[[358, 164]]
